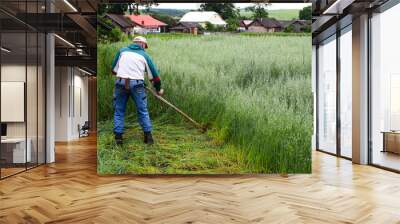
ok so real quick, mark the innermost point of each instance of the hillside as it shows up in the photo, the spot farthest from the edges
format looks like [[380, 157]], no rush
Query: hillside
[[279, 14], [170, 12]]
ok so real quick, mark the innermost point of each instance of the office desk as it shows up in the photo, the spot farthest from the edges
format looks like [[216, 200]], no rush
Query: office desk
[[391, 141], [13, 150]]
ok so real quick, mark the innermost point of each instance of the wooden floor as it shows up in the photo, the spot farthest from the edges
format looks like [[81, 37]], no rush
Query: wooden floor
[[5, 172], [387, 159], [69, 191]]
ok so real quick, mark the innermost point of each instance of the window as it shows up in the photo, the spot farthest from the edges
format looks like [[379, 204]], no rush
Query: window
[[385, 89], [346, 92], [327, 95]]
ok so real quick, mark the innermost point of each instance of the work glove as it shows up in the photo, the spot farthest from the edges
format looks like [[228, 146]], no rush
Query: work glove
[[160, 92]]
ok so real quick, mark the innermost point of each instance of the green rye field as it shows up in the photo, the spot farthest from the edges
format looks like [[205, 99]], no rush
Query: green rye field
[[254, 92]]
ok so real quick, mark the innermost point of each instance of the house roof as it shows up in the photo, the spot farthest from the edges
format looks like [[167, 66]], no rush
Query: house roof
[[203, 16], [121, 20], [104, 25], [287, 23], [185, 25], [146, 21], [267, 23], [245, 22], [189, 24]]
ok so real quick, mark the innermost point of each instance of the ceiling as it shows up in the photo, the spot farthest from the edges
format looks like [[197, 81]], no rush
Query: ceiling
[[202, 1], [74, 22]]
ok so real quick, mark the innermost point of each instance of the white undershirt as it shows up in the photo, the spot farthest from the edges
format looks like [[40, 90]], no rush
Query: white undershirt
[[132, 65]]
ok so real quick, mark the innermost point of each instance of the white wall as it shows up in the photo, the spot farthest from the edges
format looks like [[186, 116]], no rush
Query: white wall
[[71, 94], [12, 73], [80, 95], [61, 103], [33, 126]]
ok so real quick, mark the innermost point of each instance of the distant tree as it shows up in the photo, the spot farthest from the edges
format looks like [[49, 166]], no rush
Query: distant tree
[[259, 10], [112, 8], [219, 29], [305, 13], [101, 9], [134, 7], [169, 20], [225, 10], [210, 27], [245, 17], [102, 33], [117, 35], [117, 8], [289, 29], [306, 29], [113, 35], [233, 24]]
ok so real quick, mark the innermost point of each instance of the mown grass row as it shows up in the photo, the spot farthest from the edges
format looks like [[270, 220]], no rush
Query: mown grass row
[[255, 91], [179, 149]]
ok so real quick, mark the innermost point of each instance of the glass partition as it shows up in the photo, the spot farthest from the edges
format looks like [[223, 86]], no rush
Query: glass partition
[[41, 96], [385, 89], [32, 97], [327, 95], [22, 88], [15, 151]]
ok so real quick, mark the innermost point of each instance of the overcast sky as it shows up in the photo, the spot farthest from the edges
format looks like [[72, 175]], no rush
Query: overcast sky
[[239, 5]]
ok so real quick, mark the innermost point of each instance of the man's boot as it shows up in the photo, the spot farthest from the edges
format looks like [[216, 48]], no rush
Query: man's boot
[[118, 139], [148, 138]]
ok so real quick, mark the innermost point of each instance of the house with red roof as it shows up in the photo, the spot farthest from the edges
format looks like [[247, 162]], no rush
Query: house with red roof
[[146, 24]]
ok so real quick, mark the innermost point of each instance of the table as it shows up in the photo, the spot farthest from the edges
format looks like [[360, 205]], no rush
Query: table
[[391, 141], [13, 150]]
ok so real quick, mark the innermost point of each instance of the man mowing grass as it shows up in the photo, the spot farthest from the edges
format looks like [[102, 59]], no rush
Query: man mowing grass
[[130, 65]]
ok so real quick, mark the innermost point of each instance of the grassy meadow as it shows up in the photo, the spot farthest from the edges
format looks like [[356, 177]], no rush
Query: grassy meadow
[[253, 91]]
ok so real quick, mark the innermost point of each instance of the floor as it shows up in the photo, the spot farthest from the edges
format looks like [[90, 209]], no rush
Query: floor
[[387, 159], [10, 171], [70, 191]]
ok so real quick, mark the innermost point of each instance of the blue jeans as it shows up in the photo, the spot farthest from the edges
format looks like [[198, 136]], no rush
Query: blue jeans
[[121, 96]]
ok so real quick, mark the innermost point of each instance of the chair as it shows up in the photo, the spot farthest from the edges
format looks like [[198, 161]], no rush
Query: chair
[[84, 130]]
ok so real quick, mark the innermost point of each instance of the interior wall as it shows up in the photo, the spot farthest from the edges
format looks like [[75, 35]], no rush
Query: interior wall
[[62, 80], [71, 102], [17, 73], [92, 98], [80, 109]]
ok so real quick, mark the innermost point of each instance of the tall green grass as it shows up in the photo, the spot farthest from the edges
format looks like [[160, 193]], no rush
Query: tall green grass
[[254, 91]]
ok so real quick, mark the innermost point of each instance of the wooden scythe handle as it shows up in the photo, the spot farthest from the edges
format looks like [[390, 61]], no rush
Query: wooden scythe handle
[[176, 109]]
